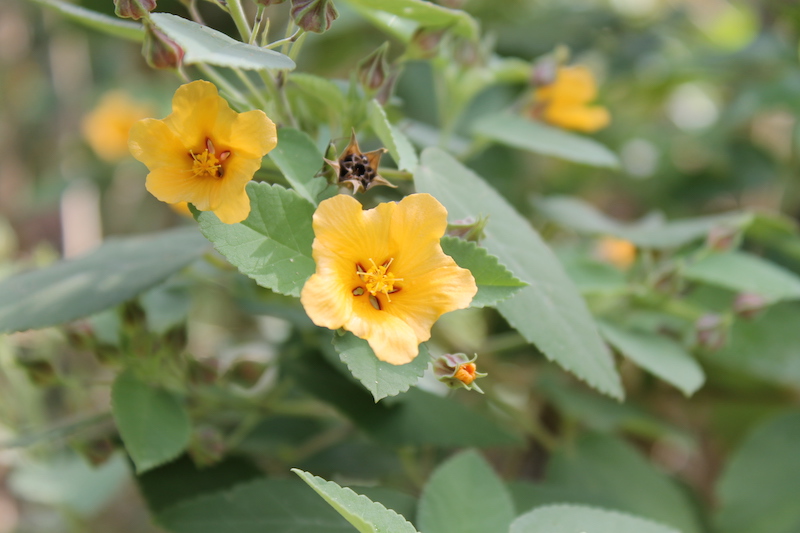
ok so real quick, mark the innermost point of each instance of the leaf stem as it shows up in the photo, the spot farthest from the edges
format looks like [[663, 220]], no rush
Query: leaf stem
[[238, 16]]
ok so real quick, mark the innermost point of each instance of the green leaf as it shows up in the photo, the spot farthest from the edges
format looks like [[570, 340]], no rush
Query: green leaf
[[576, 518], [166, 306], [661, 356], [317, 96], [273, 245], [202, 44], [593, 276], [97, 21], [760, 486], [382, 379], [605, 471], [117, 271], [426, 14], [392, 138], [519, 132], [549, 312], [263, 506], [743, 272], [297, 157], [153, 423], [365, 515], [464, 495], [495, 282]]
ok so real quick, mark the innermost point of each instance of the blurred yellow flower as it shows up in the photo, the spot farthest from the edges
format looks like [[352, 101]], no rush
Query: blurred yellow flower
[[618, 252], [106, 127], [203, 153], [565, 101], [382, 274], [182, 208]]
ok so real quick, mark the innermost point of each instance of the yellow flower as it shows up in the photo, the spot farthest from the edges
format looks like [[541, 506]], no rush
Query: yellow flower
[[182, 208], [618, 252], [565, 102], [203, 153], [382, 275], [106, 127]]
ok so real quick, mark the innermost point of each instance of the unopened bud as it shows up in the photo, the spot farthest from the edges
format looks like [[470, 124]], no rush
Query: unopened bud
[[133, 9], [202, 372], [456, 370], [723, 238], [466, 52], [425, 42], [40, 371], [711, 332], [207, 446], [469, 228], [246, 373], [176, 338], [373, 70], [544, 71], [748, 305], [314, 15], [159, 50], [96, 451], [268, 3], [133, 315]]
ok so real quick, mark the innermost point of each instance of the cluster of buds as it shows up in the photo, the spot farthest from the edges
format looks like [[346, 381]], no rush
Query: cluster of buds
[[457, 371], [469, 229], [358, 170], [158, 49]]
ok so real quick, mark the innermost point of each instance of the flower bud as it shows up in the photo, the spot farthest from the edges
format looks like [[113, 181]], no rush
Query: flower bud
[[314, 15], [246, 373], [202, 372], [544, 71], [133, 9], [425, 42], [40, 371], [159, 50], [711, 332], [373, 70], [97, 451], [207, 446], [722, 238], [469, 228], [457, 371], [267, 3], [748, 305]]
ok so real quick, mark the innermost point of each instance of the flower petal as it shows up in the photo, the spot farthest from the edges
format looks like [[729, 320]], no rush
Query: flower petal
[[173, 185], [326, 300], [195, 109], [156, 145], [578, 117], [392, 339], [253, 134], [341, 227], [417, 226]]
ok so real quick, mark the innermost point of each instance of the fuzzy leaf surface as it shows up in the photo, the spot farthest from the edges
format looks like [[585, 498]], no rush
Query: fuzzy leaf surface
[[577, 518], [298, 159]]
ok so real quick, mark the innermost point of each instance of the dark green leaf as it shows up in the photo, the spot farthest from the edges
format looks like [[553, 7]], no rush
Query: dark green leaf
[[117, 271], [298, 159], [575, 518]]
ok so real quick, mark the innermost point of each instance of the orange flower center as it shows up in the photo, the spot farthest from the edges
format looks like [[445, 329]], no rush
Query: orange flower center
[[206, 163], [466, 373], [377, 280]]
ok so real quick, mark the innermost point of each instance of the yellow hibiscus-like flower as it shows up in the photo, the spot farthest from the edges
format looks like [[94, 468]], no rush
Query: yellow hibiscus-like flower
[[204, 152], [382, 274], [106, 127], [565, 102], [618, 252]]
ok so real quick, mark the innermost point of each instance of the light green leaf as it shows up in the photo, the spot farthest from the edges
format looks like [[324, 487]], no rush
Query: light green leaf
[[539, 138], [298, 159], [273, 245], [117, 271], [202, 44], [743, 272], [464, 495], [92, 19], [166, 306], [153, 423], [593, 276], [392, 138], [365, 515], [549, 312], [580, 519], [382, 379], [661, 356], [495, 282], [760, 486], [426, 14], [320, 96], [263, 506]]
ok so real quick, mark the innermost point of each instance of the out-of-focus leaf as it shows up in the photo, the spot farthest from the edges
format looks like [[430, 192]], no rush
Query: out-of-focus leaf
[[298, 159], [495, 282], [392, 138], [576, 518], [153, 423], [364, 514], [464, 495], [519, 132], [657, 354], [166, 306], [743, 272], [202, 44], [593, 276], [273, 245], [426, 14], [117, 271], [113, 26], [550, 312], [268, 505], [382, 379], [760, 486]]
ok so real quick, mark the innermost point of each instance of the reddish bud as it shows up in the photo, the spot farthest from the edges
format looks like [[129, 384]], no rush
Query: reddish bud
[[373, 70], [133, 9], [314, 15], [711, 332], [722, 238], [159, 50], [748, 305], [425, 42]]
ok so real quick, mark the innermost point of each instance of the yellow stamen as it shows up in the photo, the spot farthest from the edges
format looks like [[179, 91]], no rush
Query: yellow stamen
[[206, 164], [378, 280]]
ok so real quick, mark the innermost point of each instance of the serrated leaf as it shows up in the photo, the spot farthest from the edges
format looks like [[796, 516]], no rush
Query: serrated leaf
[[382, 379], [495, 282], [760, 486], [464, 495], [115, 272], [392, 138], [365, 515], [519, 132], [661, 356], [202, 44], [263, 506], [152, 422], [298, 159], [426, 14], [97, 21], [549, 312], [273, 245], [743, 272], [580, 519]]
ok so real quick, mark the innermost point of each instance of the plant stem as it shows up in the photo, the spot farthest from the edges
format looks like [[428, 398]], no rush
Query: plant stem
[[237, 14], [262, 102]]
